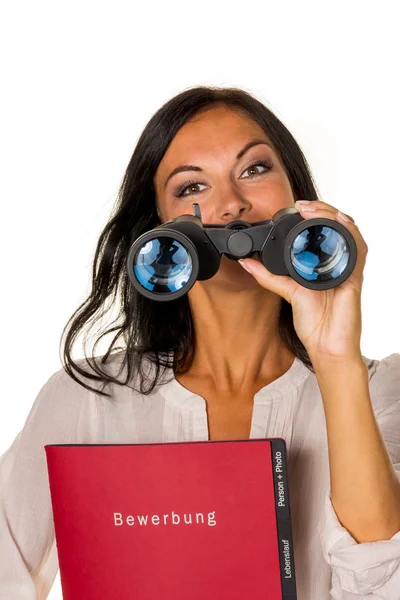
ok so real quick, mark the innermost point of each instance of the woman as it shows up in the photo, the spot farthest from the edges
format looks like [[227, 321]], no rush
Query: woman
[[245, 354]]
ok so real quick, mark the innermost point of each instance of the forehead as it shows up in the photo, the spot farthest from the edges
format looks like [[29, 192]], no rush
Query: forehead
[[212, 134]]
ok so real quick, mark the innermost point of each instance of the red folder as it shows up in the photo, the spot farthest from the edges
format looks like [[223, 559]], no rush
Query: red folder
[[173, 521]]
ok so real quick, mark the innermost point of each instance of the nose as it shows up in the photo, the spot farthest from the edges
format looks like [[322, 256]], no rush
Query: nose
[[232, 205]]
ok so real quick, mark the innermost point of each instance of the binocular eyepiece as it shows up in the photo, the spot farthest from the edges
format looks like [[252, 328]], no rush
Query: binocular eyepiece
[[164, 263]]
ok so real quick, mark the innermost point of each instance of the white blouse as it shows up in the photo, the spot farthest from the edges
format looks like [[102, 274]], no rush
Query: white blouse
[[329, 563]]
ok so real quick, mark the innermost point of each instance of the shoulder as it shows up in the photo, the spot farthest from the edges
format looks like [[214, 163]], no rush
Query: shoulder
[[60, 398], [384, 371], [384, 382], [114, 366], [127, 370]]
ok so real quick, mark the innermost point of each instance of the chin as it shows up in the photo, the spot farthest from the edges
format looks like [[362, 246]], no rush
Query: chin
[[232, 276]]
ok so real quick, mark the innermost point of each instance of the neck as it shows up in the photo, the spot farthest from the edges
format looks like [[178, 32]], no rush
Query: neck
[[237, 342]]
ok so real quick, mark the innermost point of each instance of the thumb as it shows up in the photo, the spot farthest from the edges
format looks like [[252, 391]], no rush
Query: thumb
[[283, 285]]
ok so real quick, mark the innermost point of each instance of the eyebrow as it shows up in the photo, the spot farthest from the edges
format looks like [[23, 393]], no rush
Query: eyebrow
[[181, 168]]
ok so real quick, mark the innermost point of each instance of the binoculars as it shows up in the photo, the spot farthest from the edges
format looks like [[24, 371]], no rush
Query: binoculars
[[164, 263]]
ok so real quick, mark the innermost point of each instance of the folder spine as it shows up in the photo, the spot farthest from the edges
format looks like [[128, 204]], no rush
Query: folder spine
[[283, 519]]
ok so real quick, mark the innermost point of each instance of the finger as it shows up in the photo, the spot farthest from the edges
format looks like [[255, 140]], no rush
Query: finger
[[283, 285], [318, 205]]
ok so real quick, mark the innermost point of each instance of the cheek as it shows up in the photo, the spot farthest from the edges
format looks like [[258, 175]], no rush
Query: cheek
[[270, 198], [170, 210], [166, 208], [164, 211], [276, 190]]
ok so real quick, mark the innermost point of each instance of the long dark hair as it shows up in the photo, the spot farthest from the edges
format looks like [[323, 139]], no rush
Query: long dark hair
[[164, 335]]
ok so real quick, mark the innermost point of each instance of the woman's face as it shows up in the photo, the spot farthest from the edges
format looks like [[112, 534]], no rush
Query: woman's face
[[252, 187], [225, 187]]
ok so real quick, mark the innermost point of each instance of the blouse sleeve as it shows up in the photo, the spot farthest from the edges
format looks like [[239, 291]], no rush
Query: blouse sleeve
[[28, 555], [369, 567]]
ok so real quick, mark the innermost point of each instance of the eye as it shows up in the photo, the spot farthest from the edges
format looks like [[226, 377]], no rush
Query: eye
[[180, 192], [261, 163]]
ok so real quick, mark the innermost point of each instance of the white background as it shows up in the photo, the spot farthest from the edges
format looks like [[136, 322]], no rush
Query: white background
[[81, 79]]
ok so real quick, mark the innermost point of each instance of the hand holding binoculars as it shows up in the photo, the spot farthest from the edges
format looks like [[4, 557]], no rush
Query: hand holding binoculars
[[165, 262]]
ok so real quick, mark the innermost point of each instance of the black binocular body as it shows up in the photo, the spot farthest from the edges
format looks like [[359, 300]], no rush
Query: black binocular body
[[164, 263]]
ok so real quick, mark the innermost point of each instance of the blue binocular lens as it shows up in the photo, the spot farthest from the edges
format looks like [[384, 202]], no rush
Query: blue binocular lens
[[163, 265], [319, 252]]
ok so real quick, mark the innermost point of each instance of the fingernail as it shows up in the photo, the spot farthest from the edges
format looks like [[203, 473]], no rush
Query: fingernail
[[342, 216], [303, 201]]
